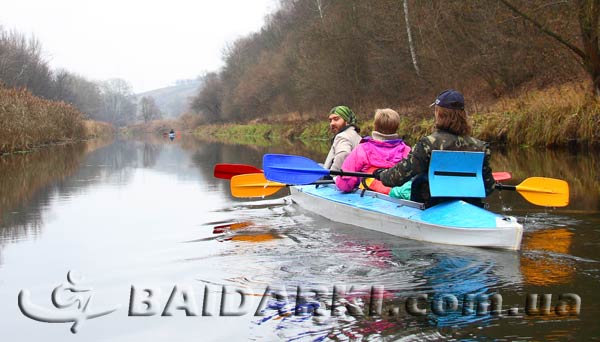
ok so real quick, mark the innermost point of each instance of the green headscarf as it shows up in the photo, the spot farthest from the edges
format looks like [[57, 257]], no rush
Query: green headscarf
[[345, 113]]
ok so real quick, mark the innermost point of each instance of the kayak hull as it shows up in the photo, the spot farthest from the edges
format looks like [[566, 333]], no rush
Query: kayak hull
[[453, 222]]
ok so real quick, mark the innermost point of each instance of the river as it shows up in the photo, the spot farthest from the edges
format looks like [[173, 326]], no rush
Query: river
[[140, 234]]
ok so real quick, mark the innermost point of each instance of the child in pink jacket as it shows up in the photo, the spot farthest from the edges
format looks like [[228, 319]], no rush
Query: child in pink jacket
[[383, 149]]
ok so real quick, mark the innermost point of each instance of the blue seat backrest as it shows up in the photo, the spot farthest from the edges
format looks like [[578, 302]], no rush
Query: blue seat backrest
[[456, 174]]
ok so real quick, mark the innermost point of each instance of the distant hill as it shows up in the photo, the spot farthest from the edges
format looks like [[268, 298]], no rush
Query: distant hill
[[173, 101]]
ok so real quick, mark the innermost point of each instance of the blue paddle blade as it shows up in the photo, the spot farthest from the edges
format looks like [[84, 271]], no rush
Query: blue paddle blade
[[293, 170], [456, 174]]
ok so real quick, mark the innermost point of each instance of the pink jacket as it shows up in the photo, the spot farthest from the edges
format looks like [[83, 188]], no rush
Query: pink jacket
[[371, 153]]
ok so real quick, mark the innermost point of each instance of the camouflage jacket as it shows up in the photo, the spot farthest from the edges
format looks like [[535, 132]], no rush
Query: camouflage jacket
[[417, 162]]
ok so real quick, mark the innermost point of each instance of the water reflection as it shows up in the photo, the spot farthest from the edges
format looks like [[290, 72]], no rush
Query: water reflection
[[155, 206], [311, 252], [28, 182], [542, 264], [578, 168], [442, 276]]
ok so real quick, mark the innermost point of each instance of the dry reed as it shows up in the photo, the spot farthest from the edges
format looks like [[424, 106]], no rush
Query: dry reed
[[27, 121]]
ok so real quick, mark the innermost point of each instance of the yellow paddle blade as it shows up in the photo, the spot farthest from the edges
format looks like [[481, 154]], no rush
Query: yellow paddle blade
[[548, 192], [253, 185]]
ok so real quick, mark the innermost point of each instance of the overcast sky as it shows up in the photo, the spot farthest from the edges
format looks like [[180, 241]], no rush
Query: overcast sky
[[149, 43]]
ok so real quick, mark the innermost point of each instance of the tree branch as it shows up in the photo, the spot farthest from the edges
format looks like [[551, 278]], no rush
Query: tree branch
[[547, 31]]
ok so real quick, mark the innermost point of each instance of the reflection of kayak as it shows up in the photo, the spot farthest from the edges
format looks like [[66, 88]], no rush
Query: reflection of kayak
[[453, 222], [543, 265]]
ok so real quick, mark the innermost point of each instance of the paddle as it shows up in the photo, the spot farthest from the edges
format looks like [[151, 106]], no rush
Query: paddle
[[226, 171], [256, 185], [300, 170], [501, 176], [547, 192]]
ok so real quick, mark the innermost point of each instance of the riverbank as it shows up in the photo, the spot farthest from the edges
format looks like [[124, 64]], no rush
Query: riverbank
[[28, 122], [556, 117], [184, 123]]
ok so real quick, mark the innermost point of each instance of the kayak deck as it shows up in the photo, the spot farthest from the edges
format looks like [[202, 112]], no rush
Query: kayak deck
[[453, 222]]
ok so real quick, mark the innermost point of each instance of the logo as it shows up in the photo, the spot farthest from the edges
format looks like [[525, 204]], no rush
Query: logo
[[71, 302]]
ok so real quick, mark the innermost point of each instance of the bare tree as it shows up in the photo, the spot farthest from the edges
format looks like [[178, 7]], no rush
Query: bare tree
[[148, 109], [588, 13], [411, 45], [22, 64], [209, 100], [319, 5], [118, 105]]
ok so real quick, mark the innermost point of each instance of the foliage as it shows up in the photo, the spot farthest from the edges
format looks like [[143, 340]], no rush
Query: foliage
[[560, 116], [23, 66], [311, 55], [587, 16]]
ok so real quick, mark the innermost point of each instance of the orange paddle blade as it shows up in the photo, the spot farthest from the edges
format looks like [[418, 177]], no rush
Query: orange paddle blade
[[548, 192], [253, 185]]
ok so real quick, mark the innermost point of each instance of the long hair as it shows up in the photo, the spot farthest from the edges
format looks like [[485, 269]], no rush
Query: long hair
[[454, 121]]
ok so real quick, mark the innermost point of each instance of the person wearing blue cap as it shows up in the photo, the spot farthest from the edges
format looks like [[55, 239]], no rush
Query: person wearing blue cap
[[452, 132], [343, 123]]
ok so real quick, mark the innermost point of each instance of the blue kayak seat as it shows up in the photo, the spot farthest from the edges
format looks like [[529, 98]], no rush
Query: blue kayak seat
[[456, 174]]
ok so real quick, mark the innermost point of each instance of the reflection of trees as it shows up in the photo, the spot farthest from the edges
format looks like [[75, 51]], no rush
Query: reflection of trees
[[27, 183], [21, 177], [150, 154], [207, 154], [113, 162]]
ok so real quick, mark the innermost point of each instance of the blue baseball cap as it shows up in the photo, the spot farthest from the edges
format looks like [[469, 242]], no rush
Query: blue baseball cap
[[451, 99]]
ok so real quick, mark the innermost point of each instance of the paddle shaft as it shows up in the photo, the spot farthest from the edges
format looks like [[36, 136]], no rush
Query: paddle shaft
[[505, 187], [319, 182], [351, 174]]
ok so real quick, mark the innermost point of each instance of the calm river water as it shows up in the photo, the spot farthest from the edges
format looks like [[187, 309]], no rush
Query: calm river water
[[125, 230]]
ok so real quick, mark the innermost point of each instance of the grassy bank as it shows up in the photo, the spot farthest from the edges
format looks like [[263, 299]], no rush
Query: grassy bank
[[183, 123], [27, 122], [556, 117]]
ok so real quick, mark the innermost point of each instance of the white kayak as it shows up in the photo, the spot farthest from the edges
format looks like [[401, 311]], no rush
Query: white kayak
[[455, 222]]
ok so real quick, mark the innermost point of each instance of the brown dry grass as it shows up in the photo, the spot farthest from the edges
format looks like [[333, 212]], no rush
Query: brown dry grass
[[95, 129], [557, 116], [27, 121]]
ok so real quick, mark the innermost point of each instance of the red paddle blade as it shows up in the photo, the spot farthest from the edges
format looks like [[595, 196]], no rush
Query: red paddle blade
[[501, 176], [227, 171]]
